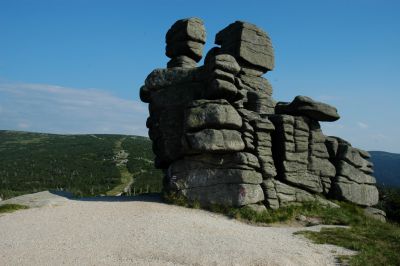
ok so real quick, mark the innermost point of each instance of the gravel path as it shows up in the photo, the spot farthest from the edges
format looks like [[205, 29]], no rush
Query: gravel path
[[142, 231]]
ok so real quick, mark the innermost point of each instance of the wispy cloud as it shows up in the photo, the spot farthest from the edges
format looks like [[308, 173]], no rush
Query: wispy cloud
[[23, 125], [334, 125], [362, 125], [57, 109], [379, 137]]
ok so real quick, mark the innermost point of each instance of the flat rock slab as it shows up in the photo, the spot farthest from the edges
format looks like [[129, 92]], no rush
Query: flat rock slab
[[187, 29], [143, 231], [303, 105], [213, 140], [212, 114], [361, 194], [247, 43], [40, 199]]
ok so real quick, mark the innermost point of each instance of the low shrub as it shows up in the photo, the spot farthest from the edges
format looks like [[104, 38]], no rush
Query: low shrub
[[11, 207]]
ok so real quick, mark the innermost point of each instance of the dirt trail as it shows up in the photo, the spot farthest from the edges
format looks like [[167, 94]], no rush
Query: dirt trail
[[121, 159], [143, 231]]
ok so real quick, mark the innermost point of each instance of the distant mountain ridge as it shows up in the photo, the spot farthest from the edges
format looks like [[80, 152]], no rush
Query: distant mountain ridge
[[387, 168]]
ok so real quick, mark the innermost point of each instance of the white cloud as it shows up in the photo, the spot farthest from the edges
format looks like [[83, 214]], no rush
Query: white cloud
[[57, 109], [362, 125], [23, 125]]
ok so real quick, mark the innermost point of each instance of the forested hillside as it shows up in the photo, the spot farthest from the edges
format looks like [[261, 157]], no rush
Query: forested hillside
[[83, 164], [387, 168]]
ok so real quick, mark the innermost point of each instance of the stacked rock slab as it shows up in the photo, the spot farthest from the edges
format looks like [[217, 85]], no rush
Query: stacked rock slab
[[185, 41], [221, 138], [300, 154], [168, 91], [354, 181]]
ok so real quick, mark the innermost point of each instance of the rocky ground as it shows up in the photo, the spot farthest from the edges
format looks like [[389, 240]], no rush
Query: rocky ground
[[144, 231]]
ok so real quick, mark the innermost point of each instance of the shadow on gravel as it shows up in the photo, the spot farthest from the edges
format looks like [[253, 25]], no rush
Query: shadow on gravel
[[150, 197]]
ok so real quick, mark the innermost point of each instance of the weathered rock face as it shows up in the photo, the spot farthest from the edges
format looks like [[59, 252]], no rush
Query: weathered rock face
[[249, 44], [221, 138], [300, 153], [353, 181], [185, 41]]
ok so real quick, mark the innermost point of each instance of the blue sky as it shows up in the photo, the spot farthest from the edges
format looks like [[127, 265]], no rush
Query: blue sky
[[76, 66]]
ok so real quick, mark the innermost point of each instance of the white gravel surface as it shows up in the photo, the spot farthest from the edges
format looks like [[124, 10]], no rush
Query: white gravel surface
[[142, 231]]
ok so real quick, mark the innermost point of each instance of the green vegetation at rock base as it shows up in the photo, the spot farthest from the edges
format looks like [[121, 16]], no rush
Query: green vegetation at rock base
[[389, 201], [376, 243], [11, 207]]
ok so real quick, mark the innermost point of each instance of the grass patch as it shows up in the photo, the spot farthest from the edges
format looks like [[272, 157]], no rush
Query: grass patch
[[377, 243], [346, 215], [126, 179], [11, 207]]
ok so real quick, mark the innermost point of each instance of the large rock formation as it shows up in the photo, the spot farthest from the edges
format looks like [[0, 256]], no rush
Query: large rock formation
[[221, 138]]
